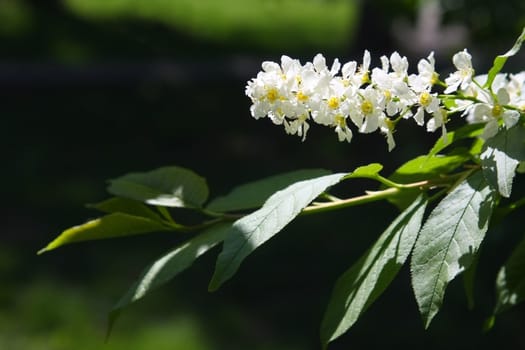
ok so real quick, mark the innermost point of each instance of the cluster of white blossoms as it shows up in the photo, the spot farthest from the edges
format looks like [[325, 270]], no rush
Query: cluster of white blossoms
[[295, 95], [502, 103]]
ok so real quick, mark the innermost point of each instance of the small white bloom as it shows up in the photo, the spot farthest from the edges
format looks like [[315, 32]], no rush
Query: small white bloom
[[426, 76], [439, 119], [387, 128], [362, 75], [399, 66], [492, 112], [343, 131], [366, 109], [462, 78]]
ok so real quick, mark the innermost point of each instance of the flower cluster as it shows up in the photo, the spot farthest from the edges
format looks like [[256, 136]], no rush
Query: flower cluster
[[340, 96]]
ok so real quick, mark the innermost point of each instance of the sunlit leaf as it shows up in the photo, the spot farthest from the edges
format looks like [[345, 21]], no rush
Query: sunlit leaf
[[422, 168], [168, 186], [510, 283], [366, 280], [253, 230], [109, 226], [366, 170], [500, 60], [464, 132], [500, 158], [126, 206], [254, 194], [170, 265], [448, 242]]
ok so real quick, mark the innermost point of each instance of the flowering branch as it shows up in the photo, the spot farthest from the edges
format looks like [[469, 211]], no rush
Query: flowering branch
[[295, 95]]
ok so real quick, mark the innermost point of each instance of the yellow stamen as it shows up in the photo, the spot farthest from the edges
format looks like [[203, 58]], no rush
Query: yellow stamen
[[367, 107], [425, 99], [497, 110], [333, 102], [272, 94], [388, 95], [302, 97], [365, 78], [340, 120]]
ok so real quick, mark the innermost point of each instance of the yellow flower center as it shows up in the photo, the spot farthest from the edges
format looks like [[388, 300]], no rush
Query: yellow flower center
[[333, 102], [367, 107], [425, 99], [272, 94], [340, 120], [302, 97], [497, 110], [365, 78]]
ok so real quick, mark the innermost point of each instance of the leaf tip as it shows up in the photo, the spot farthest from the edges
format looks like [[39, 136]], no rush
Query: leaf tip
[[112, 319], [214, 284], [489, 323], [42, 251]]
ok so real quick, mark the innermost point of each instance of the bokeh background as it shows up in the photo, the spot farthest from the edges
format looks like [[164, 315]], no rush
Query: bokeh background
[[93, 89]]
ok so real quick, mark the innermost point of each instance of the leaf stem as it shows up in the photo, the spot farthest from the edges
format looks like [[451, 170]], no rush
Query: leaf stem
[[165, 214]]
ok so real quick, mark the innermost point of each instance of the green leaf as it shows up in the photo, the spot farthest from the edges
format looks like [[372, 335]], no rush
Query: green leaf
[[126, 206], [168, 186], [109, 226], [500, 158], [252, 195], [464, 132], [422, 168], [251, 231], [500, 60], [366, 170], [168, 266], [366, 280], [510, 282], [448, 242]]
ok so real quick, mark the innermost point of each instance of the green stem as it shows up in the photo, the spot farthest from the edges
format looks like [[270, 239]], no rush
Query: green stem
[[373, 196], [459, 97], [165, 214], [367, 198]]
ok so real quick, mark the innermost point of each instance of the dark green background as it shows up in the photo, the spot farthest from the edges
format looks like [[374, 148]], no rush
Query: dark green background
[[88, 97]]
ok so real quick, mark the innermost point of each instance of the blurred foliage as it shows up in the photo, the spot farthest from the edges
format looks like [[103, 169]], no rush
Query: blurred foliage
[[65, 137], [15, 17], [491, 23], [58, 317], [271, 24]]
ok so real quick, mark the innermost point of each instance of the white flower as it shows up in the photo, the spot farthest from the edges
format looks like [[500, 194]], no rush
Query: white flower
[[362, 75], [439, 119], [366, 109], [492, 112], [398, 96], [516, 90], [399, 66], [297, 126], [427, 102], [387, 128], [342, 130], [426, 76], [463, 76]]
